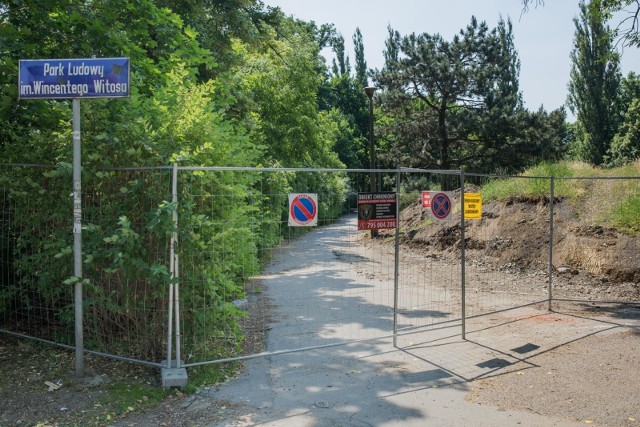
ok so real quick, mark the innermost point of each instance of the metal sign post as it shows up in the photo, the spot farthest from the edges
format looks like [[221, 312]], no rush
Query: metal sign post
[[77, 238], [75, 79]]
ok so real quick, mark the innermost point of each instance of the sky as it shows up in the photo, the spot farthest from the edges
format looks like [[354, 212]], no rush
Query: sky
[[543, 36]]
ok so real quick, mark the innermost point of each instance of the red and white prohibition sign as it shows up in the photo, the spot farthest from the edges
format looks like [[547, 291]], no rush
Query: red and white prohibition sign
[[303, 210]]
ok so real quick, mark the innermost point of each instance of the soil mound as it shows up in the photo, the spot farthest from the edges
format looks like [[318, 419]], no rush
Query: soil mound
[[516, 233]]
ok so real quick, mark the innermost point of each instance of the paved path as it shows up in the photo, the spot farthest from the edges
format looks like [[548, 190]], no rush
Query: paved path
[[373, 383]]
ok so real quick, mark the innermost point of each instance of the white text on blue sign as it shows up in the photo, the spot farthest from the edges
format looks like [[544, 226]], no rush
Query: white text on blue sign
[[74, 78]]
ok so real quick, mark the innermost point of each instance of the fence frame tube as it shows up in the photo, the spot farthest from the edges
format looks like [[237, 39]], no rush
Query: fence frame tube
[[463, 302], [551, 204], [396, 267], [172, 269], [176, 264]]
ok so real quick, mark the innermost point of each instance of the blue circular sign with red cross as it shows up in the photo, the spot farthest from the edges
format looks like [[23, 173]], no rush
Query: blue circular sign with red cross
[[440, 205], [303, 210]]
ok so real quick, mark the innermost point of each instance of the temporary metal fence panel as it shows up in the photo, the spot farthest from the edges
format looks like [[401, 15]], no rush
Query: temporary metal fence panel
[[341, 284], [553, 239], [127, 217], [453, 269], [596, 253], [32, 209], [506, 252], [430, 275], [339, 287], [125, 254]]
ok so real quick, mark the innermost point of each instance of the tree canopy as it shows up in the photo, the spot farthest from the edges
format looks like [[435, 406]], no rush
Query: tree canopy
[[215, 83], [452, 104], [593, 88], [629, 27], [602, 100]]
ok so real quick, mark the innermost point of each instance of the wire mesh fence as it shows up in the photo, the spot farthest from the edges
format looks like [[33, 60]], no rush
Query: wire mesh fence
[[571, 239], [453, 270], [126, 235], [430, 274], [326, 275], [236, 247], [506, 257], [124, 256], [30, 225], [595, 252]]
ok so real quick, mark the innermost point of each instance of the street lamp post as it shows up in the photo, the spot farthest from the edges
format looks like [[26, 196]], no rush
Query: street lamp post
[[370, 90]]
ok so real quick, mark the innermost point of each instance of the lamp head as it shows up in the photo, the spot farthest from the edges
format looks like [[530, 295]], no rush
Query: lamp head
[[370, 90]]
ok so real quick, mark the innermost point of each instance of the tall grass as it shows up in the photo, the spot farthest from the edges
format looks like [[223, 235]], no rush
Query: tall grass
[[622, 196], [625, 215], [533, 183]]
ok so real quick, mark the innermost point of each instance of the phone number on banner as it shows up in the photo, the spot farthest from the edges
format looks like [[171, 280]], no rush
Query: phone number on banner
[[377, 224]]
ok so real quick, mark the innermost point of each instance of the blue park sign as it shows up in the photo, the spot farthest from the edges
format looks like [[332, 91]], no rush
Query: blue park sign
[[74, 78]]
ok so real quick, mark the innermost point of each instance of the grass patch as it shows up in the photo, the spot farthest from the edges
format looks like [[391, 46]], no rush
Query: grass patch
[[206, 375], [632, 169], [626, 214], [533, 183], [124, 397], [622, 209]]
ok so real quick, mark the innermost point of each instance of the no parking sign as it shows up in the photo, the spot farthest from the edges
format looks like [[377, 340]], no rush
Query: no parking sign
[[303, 210], [439, 204]]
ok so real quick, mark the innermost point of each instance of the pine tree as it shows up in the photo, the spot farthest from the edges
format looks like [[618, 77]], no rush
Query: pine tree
[[450, 100]]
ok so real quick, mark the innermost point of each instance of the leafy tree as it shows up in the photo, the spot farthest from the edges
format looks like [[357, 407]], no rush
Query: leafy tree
[[392, 46], [341, 65], [216, 23], [283, 82], [628, 29], [153, 38], [442, 96], [352, 104], [343, 95], [629, 90], [625, 147], [593, 89], [171, 115], [539, 136]]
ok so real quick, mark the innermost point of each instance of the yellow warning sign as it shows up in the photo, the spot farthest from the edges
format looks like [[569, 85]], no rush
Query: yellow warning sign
[[472, 206]]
